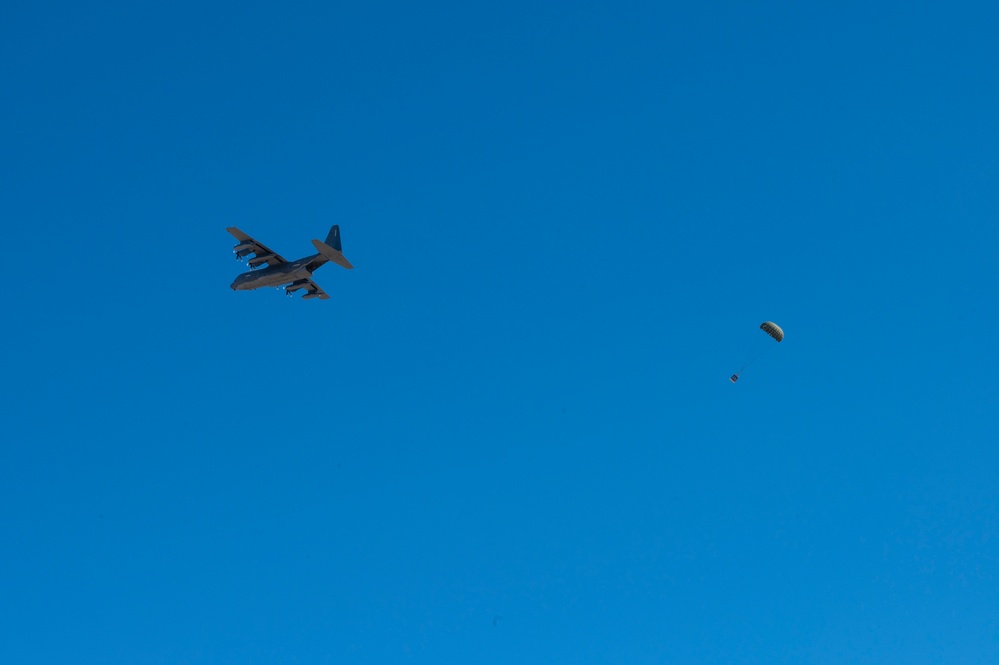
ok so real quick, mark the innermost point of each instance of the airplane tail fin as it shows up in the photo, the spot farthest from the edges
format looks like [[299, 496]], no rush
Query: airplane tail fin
[[333, 238], [332, 249]]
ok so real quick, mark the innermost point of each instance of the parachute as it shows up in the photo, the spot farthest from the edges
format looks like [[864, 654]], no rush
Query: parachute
[[770, 328]]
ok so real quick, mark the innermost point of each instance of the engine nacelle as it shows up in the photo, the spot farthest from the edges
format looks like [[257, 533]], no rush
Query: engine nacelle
[[257, 260], [296, 285]]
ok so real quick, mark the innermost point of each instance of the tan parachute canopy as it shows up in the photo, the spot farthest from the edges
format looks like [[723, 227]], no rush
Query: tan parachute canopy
[[772, 329]]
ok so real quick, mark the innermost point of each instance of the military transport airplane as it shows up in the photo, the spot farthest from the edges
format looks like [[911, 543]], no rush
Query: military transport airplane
[[296, 274]]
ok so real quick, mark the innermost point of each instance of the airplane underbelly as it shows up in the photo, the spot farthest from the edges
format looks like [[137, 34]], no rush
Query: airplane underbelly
[[281, 278]]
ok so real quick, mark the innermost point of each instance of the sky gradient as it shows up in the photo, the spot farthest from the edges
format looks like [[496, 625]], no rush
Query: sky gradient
[[509, 437]]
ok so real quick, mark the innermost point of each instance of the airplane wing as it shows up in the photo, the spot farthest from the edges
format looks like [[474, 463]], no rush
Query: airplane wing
[[312, 290], [261, 253]]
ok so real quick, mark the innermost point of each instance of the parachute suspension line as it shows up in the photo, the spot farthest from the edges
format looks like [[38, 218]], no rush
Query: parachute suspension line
[[772, 330], [759, 354], [754, 352]]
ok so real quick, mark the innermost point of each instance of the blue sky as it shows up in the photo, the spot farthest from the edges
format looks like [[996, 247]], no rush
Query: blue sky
[[509, 436]]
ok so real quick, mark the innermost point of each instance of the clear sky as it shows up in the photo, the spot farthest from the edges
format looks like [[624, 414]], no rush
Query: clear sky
[[509, 437]]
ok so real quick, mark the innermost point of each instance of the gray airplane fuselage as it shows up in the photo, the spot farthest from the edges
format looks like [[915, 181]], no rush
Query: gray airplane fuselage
[[268, 268], [278, 275]]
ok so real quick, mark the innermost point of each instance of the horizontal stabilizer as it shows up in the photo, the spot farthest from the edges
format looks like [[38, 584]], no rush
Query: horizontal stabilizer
[[334, 255]]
